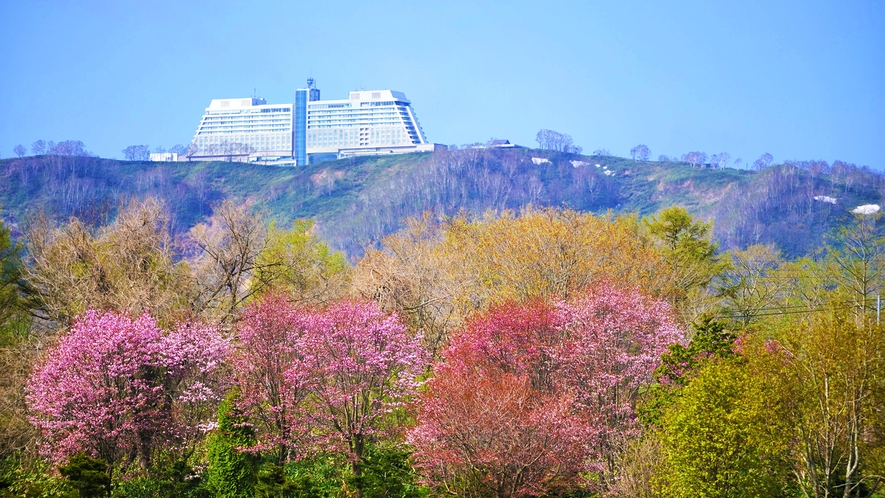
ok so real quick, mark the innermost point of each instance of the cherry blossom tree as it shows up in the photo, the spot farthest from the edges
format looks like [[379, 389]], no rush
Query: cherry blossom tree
[[325, 379], [366, 365], [616, 337], [492, 433], [583, 363], [118, 388], [523, 339], [272, 369], [494, 420]]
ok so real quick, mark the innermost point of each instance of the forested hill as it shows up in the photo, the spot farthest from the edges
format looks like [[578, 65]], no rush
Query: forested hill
[[357, 201]]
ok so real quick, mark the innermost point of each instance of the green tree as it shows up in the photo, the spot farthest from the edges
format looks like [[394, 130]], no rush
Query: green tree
[[170, 479], [11, 312], [20, 476], [855, 260], [687, 248], [16, 353], [728, 434], [755, 283], [387, 471], [839, 368], [232, 471], [682, 237], [318, 476], [89, 476], [272, 483], [298, 263], [711, 340]]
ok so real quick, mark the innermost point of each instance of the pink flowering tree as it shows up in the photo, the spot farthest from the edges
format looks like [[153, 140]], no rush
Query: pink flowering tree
[[366, 365], [323, 378], [494, 434], [616, 339], [271, 364], [118, 388], [584, 361], [196, 379]]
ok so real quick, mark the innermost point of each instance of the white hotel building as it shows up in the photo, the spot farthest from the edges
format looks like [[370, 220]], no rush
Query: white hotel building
[[309, 130]]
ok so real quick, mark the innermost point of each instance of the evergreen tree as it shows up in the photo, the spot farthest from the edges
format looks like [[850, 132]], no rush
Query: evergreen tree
[[232, 471]]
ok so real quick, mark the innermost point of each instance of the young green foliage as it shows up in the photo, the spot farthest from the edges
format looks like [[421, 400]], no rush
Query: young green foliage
[[728, 434], [11, 310], [686, 246], [232, 471], [296, 262]]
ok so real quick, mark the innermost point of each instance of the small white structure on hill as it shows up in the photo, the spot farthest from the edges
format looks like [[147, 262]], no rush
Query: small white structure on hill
[[167, 157]]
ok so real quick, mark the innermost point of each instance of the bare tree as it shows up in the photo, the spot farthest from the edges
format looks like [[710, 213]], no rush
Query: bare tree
[[640, 153], [695, 158], [602, 152], [126, 265], [720, 160], [20, 150], [224, 254], [560, 142], [69, 148], [764, 161], [38, 148], [179, 149], [664, 159], [191, 151], [137, 153]]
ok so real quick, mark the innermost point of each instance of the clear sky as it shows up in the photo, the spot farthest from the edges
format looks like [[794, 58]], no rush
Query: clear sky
[[798, 79]]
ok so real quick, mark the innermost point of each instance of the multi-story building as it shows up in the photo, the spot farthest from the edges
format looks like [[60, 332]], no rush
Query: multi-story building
[[309, 130]]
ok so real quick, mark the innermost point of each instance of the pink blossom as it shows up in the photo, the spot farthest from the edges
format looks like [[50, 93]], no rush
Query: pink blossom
[[584, 361], [323, 378], [116, 387]]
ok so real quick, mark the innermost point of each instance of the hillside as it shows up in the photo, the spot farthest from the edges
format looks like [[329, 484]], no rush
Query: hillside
[[357, 201]]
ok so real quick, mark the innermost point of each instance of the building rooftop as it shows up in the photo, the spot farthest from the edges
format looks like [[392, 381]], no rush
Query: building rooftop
[[235, 103]]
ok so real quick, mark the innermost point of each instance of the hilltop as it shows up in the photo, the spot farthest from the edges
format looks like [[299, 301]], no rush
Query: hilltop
[[357, 201]]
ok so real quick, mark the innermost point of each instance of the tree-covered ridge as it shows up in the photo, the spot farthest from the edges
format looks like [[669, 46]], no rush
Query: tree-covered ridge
[[356, 202]]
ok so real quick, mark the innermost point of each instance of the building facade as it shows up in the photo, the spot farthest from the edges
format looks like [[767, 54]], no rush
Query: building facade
[[310, 129]]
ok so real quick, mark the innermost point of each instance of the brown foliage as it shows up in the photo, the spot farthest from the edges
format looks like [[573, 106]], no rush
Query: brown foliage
[[124, 266], [416, 275], [224, 253], [16, 433]]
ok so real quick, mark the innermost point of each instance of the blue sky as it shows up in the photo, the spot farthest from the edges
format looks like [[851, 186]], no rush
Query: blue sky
[[797, 79]]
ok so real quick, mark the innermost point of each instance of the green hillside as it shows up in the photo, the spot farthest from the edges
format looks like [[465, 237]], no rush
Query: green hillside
[[357, 201]]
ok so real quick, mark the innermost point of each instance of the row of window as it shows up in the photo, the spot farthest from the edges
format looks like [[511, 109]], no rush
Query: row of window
[[234, 112]]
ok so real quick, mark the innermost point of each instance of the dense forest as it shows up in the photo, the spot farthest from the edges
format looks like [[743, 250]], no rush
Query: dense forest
[[499, 325]]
